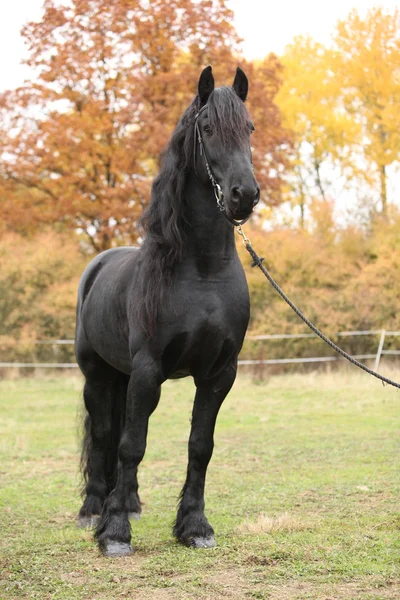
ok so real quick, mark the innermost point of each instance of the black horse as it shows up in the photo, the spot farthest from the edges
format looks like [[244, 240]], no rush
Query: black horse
[[177, 306]]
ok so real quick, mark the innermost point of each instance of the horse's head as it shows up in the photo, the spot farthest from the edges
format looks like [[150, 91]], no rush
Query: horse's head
[[223, 128]]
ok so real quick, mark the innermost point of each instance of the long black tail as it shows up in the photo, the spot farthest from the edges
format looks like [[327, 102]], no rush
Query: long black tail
[[86, 452], [117, 425]]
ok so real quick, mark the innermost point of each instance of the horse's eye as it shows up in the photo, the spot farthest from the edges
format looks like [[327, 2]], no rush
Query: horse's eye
[[208, 130], [252, 128]]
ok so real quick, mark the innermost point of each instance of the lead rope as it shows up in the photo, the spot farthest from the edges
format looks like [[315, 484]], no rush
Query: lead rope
[[257, 262]]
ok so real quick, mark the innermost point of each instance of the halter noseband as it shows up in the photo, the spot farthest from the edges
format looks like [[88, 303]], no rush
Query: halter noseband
[[219, 196]]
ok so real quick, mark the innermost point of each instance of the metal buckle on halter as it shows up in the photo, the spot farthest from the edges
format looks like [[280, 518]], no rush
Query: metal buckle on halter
[[218, 195], [200, 140]]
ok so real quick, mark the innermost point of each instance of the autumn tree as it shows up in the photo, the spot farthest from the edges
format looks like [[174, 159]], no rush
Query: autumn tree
[[311, 107], [112, 79], [367, 68], [272, 140], [342, 103]]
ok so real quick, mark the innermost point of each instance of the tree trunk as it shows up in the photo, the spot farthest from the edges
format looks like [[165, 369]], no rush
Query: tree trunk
[[382, 172], [317, 166]]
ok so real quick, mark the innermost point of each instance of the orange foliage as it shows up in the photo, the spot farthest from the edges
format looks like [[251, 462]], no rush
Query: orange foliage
[[112, 80], [39, 279]]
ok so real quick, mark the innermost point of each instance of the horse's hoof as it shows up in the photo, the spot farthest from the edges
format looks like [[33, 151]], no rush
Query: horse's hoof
[[113, 549], [88, 522], [135, 516], [202, 542]]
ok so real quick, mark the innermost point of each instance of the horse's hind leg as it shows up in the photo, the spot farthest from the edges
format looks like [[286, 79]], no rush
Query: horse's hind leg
[[113, 532], [98, 397], [105, 399], [191, 526]]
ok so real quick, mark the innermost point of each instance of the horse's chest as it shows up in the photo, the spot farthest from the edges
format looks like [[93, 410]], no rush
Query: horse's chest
[[215, 309], [206, 329]]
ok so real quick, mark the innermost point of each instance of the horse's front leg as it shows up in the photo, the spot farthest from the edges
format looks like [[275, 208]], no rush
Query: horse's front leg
[[191, 526], [113, 531]]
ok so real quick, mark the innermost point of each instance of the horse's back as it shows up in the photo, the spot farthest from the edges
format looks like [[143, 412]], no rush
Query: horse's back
[[112, 259]]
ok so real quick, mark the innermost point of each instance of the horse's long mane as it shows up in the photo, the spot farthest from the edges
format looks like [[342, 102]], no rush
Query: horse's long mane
[[164, 222]]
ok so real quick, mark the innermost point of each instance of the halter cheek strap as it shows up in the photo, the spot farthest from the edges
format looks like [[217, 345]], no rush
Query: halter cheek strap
[[219, 196]]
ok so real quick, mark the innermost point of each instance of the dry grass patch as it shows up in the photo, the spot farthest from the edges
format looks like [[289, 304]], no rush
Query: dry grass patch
[[348, 591], [280, 523]]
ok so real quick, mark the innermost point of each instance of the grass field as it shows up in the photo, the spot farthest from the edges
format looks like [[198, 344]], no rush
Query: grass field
[[303, 493]]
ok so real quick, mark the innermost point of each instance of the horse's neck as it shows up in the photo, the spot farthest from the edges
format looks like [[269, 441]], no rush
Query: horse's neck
[[210, 235]]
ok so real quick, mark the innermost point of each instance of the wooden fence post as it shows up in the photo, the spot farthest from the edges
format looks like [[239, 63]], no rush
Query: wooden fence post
[[380, 348]]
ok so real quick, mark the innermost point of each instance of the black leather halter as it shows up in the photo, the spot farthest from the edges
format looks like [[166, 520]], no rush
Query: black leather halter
[[219, 196]]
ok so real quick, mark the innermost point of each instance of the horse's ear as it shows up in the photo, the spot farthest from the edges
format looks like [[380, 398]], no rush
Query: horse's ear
[[206, 85], [241, 84]]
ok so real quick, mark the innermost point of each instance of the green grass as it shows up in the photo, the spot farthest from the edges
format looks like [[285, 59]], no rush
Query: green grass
[[317, 454]]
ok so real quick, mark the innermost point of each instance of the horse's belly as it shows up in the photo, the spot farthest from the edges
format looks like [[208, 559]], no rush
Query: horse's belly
[[107, 339], [105, 328]]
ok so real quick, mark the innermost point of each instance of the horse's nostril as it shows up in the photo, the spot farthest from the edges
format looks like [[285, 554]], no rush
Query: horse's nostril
[[256, 197], [236, 194]]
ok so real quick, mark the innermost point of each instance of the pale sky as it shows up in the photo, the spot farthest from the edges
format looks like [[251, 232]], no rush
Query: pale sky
[[265, 25], [269, 25]]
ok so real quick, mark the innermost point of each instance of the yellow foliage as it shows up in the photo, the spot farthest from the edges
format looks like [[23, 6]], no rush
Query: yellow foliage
[[367, 71], [343, 105]]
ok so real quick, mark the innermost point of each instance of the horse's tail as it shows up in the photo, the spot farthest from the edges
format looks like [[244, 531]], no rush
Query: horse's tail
[[116, 426], [86, 451]]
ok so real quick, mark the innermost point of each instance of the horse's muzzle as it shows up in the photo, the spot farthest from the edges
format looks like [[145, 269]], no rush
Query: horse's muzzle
[[242, 200]]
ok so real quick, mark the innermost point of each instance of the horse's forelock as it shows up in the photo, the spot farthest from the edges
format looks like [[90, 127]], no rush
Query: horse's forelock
[[228, 117]]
